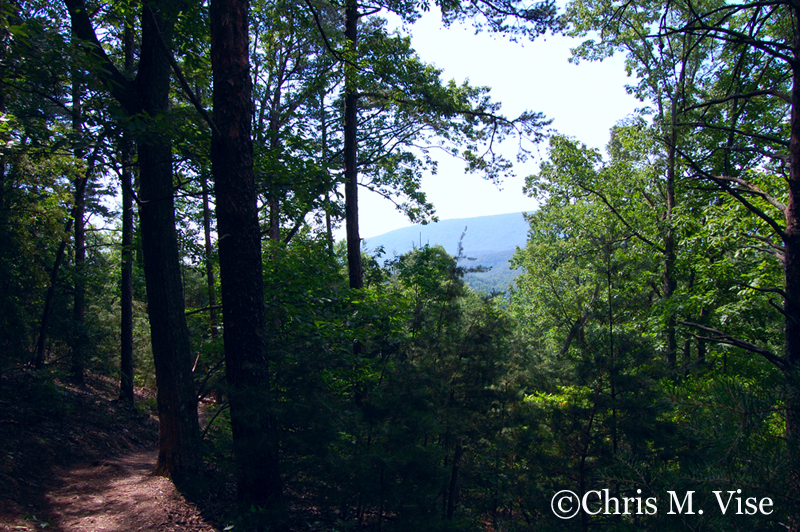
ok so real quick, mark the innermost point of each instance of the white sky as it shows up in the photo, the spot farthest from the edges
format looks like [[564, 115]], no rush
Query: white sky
[[584, 100]]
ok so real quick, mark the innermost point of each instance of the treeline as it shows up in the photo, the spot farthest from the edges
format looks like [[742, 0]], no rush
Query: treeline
[[171, 175], [659, 278]]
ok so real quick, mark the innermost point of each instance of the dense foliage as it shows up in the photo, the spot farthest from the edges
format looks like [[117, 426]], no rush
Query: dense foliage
[[650, 344]]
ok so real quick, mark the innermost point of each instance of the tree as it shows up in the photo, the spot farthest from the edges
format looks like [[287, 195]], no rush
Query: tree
[[668, 70], [743, 115], [4, 37], [292, 74], [126, 148], [146, 98], [768, 35], [350, 146], [79, 221], [535, 20], [27, 132], [432, 401], [246, 362], [597, 415]]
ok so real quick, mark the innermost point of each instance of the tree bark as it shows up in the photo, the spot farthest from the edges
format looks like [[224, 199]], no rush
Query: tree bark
[[78, 214], [126, 274], [355, 271], [211, 284], [792, 274], [179, 432], [244, 317]]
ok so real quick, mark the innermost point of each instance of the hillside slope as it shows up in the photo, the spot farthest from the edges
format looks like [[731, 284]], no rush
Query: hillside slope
[[76, 459]]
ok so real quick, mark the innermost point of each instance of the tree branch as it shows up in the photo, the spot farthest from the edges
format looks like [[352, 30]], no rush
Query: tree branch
[[752, 189], [725, 338], [120, 87], [179, 73], [723, 184], [578, 325], [203, 309], [334, 53], [622, 219], [778, 291], [742, 96]]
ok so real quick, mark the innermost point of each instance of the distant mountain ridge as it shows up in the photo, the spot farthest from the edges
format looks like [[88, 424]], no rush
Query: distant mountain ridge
[[484, 234], [491, 240]]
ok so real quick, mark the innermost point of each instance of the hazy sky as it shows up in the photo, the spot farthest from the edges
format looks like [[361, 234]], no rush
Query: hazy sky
[[584, 100]]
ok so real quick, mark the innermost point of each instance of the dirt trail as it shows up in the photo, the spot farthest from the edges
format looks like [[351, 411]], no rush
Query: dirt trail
[[75, 459], [117, 495], [120, 495]]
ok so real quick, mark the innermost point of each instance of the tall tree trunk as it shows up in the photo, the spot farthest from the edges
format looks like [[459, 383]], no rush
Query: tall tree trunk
[[354, 267], [126, 292], [60, 253], [38, 361], [323, 118], [612, 363], [274, 146], [4, 35], [677, 104], [701, 344], [452, 490], [792, 274], [126, 274], [78, 213], [244, 318], [324, 131], [670, 283], [211, 284], [179, 432]]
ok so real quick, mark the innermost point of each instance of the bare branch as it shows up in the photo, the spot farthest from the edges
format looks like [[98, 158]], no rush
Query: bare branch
[[203, 309]]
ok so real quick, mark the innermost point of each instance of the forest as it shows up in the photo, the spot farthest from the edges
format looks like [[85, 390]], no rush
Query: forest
[[171, 178]]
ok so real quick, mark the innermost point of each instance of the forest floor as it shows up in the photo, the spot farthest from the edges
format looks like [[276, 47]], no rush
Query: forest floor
[[76, 459]]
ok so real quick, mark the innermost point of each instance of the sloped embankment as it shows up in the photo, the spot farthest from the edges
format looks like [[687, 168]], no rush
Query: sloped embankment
[[76, 459]]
